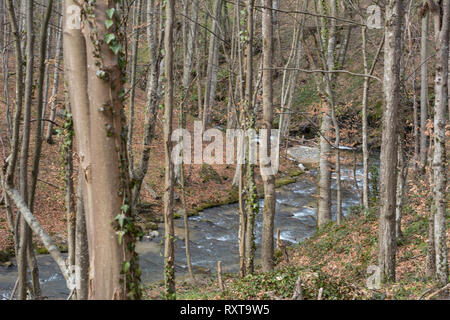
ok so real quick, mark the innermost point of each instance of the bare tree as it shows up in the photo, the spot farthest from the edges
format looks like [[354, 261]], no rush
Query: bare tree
[[424, 88], [55, 87], [134, 59], [213, 60], [441, 17], [389, 144], [266, 171], [169, 253], [365, 99], [24, 230], [154, 39], [251, 201]]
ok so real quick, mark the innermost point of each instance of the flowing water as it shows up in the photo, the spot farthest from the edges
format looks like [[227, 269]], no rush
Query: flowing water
[[213, 236]]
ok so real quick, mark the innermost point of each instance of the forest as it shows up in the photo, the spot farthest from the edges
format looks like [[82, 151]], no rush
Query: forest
[[224, 150]]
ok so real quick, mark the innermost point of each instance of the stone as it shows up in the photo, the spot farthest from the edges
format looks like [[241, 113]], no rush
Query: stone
[[304, 155], [154, 234]]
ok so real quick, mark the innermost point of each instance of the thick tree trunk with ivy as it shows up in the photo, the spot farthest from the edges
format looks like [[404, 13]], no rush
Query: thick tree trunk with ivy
[[389, 144], [95, 67]]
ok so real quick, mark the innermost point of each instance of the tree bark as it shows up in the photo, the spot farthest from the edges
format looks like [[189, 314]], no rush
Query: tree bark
[[169, 252], [94, 76], [24, 231], [213, 60], [401, 185], [268, 177], [389, 144], [154, 38], [81, 245], [55, 87], [324, 186], [424, 91], [439, 157], [252, 206], [191, 41], [134, 58]]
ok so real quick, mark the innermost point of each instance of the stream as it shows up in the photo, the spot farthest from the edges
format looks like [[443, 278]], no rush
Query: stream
[[213, 236]]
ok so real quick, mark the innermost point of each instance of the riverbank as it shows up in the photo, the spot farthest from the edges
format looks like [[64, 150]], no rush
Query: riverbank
[[336, 259]]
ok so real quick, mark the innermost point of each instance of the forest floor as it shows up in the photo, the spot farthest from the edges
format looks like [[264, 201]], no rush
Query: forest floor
[[336, 259]]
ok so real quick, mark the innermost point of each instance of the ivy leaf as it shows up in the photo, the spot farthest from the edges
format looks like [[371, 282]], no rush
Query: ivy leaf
[[101, 74], [125, 208], [116, 48], [110, 12], [121, 234], [126, 266], [108, 23], [110, 37], [120, 218]]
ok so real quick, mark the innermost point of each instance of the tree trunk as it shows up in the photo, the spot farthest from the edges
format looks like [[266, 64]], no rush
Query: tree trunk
[[439, 157], [25, 232], [388, 157], [81, 245], [423, 91], [94, 74], [134, 58], [191, 41], [154, 38], [324, 205], [416, 125], [12, 165], [268, 177], [242, 223], [252, 206], [54, 96], [365, 147], [213, 60], [401, 184], [67, 151], [169, 252]]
